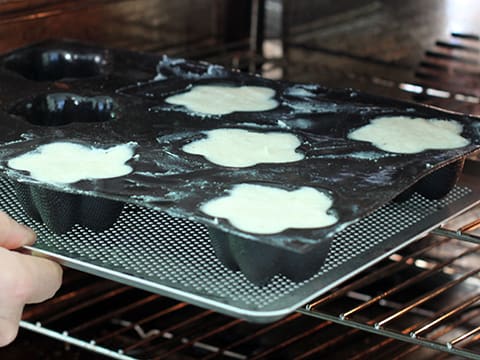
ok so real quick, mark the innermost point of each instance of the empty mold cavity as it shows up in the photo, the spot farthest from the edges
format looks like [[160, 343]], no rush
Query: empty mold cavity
[[64, 108], [51, 65]]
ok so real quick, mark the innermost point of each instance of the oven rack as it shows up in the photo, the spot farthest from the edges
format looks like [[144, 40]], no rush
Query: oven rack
[[439, 328], [150, 326]]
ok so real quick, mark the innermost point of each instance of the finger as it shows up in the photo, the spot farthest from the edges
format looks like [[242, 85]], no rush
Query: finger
[[10, 315], [12, 234], [11, 305], [42, 278], [23, 279]]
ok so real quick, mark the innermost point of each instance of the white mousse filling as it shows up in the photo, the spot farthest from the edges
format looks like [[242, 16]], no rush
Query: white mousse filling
[[64, 162], [242, 148], [406, 135], [221, 100], [262, 209]]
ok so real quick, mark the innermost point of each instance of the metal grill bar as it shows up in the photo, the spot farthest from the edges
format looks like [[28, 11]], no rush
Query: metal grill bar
[[339, 338], [290, 341], [473, 340], [179, 325], [463, 337], [86, 304], [64, 337], [424, 299], [475, 224], [147, 319], [462, 321], [466, 36], [327, 344], [390, 333], [408, 282], [254, 335], [386, 271], [376, 349], [439, 333], [198, 339], [457, 46], [438, 318], [87, 291], [112, 314], [457, 235]]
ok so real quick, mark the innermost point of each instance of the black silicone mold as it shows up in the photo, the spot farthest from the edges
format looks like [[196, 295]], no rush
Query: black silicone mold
[[61, 211], [67, 91], [260, 262]]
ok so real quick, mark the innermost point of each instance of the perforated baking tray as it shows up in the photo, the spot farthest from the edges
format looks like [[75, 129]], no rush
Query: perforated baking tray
[[173, 257]]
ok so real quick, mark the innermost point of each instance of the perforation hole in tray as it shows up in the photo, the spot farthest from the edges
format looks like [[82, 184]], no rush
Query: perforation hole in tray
[[50, 65], [63, 108]]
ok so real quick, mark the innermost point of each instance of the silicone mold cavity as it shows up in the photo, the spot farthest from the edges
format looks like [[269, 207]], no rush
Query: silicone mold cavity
[[60, 211], [260, 262], [50, 65], [64, 108]]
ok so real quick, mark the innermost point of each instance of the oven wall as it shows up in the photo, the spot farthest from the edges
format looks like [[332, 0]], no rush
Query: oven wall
[[426, 49], [180, 26]]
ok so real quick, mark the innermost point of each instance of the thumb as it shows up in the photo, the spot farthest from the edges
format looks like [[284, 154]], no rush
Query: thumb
[[12, 234], [10, 316]]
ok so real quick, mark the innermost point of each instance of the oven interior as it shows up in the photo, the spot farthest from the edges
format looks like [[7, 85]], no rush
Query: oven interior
[[420, 302]]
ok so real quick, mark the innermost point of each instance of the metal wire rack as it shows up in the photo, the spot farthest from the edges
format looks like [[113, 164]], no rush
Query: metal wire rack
[[443, 314]]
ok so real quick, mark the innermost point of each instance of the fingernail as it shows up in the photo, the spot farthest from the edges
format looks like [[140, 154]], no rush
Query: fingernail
[[29, 234], [24, 234]]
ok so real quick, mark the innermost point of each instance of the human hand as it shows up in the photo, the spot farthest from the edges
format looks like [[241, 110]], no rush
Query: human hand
[[24, 279]]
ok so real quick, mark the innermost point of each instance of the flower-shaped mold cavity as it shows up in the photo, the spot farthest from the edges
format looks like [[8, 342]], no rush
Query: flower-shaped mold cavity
[[250, 211], [436, 185], [243, 148], [265, 209], [60, 211], [50, 65], [410, 135], [66, 163], [259, 262], [63, 108], [221, 99], [440, 182]]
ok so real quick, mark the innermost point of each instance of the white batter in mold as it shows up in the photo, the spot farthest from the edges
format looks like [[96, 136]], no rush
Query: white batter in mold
[[65, 162], [260, 209], [243, 148], [408, 135], [221, 100]]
